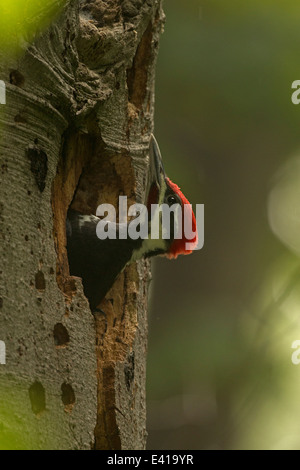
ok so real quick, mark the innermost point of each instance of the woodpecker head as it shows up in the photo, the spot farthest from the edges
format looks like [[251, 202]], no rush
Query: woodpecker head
[[98, 261], [161, 192]]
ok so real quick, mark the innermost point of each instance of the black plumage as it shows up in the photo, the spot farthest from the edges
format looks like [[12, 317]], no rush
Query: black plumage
[[97, 262]]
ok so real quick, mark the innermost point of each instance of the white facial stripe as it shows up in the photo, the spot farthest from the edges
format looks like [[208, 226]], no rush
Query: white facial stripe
[[148, 246]]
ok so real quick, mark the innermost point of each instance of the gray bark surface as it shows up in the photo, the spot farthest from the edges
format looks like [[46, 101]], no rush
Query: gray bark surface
[[74, 131]]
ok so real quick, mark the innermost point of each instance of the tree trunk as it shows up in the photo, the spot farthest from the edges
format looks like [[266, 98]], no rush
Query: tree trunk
[[75, 130]]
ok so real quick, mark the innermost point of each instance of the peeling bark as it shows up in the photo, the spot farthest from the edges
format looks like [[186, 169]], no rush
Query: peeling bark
[[74, 132]]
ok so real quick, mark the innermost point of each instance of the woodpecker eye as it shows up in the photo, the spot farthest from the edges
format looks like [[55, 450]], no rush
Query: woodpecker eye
[[172, 199]]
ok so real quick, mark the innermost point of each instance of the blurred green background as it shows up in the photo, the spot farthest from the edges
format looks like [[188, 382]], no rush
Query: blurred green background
[[223, 320], [22, 19]]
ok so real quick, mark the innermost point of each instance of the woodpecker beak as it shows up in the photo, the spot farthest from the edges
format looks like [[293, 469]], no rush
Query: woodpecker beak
[[157, 172]]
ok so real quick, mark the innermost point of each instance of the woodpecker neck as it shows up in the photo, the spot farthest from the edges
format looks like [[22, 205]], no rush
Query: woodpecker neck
[[150, 248]]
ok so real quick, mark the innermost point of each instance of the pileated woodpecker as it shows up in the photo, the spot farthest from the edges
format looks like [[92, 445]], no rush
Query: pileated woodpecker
[[98, 262]]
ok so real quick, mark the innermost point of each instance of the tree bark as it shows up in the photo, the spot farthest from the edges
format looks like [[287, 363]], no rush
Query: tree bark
[[74, 131]]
